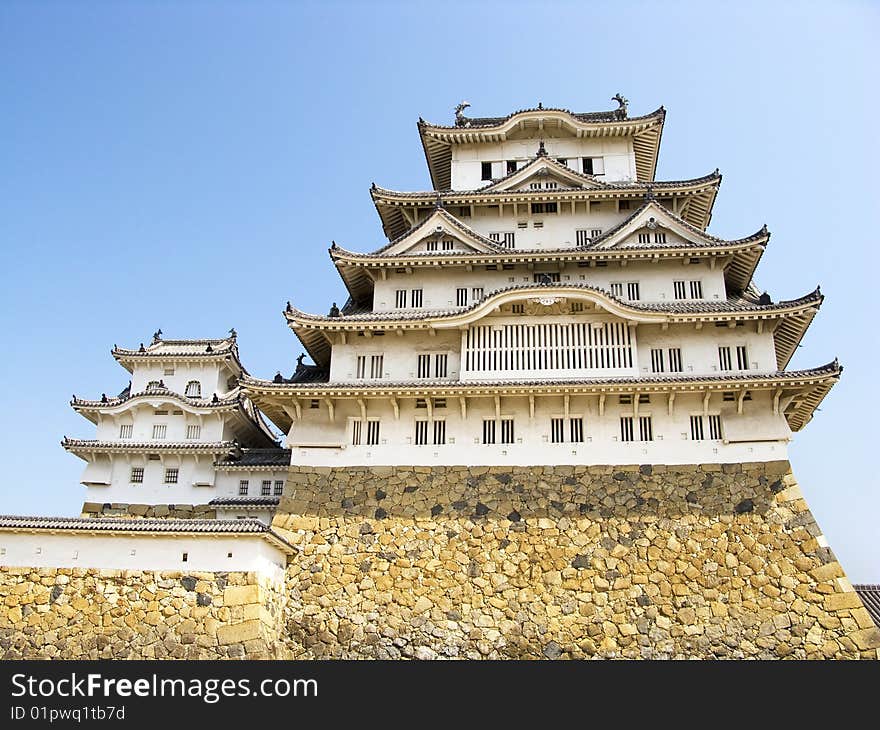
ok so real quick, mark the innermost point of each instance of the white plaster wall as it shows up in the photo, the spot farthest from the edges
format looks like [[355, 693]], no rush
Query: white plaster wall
[[142, 417], [140, 552], [617, 153], [655, 281], [699, 349], [213, 376], [672, 444], [227, 482], [400, 354]]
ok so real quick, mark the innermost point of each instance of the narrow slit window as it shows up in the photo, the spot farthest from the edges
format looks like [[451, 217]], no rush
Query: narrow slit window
[[126, 430], [439, 433], [400, 298], [576, 430], [159, 431], [582, 237], [626, 428], [421, 433], [416, 298], [193, 432], [423, 366], [659, 237], [742, 358], [376, 365], [715, 427], [679, 289], [506, 430], [696, 290], [372, 433], [361, 369], [557, 430], [657, 361], [488, 431], [724, 361], [356, 427], [646, 429], [461, 297], [697, 433], [476, 293], [675, 365], [441, 366]]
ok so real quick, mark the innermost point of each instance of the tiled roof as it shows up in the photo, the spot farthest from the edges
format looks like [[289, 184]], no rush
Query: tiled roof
[[734, 304], [257, 457], [832, 368], [94, 444], [236, 398], [870, 595], [588, 117], [154, 526], [377, 191], [245, 502], [160, 349], [452, 220]]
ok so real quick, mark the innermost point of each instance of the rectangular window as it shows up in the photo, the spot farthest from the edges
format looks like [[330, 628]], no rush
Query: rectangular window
[[675, 360], [266, 488], [314, 403], [168, 371], [657, 361], [582, 237], [356, 433], [506, 430], [439, 403], [361, 370], [511, 166], [372, 433], [562, 161], [697, 433], [724, 358], [448, 245], [159, 431], [171, 475], [125, 430], [423, 366], [416, 298], [576, 430], [439, 433], [495, 237], [644, 238], [742, 358], [626, 428], [518, 308], [509, 239], [376, 363], [659, 237], [400, 298], [646, 429], [544, 207], [696, 290], [243, 488], [595, 232], [421, 433], [488, 431], [440, 366], [557, 430], [577, 307], [432, 245], [715, 427], [617, 289], [486, 171], [461, 297], [679, 289], [193, 432], [535, 186], [476, 293], [545, 277], [632, 291], [421, 403], [137, 475], [550, 185], [279, 487]]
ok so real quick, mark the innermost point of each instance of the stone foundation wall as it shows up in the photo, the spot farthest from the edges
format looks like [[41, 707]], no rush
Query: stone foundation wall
[[159, 511], [76, 613], [709, 561], [705, 561]]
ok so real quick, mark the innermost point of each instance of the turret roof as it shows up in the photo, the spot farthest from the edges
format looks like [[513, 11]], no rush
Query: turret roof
[[176, 350]]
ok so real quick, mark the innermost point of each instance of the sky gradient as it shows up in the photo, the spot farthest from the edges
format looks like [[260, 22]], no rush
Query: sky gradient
[[185, 165]]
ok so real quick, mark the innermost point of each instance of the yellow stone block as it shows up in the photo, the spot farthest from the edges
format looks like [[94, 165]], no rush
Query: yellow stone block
[[827, 572], [866, 638], [838, 601], [239, 632], [239, 595]]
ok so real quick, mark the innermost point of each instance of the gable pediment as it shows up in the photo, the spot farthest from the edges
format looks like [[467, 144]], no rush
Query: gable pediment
[[650, 226], [439, 233]]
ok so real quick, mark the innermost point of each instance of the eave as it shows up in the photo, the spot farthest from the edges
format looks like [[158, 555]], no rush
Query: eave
[[694, 199], [801, 390], [84, 448], [437, 141]]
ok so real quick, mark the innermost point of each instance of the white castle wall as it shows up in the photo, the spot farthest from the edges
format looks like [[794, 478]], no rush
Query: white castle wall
[[328, 443], [618, 157], [655, 281], [141, 552], [213, 376]]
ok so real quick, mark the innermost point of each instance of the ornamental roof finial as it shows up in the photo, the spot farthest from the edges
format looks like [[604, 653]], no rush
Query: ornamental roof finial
[[623, 104], [540, 105], [649, 193], [460, 119], [141, 348], [278, 378], [157, 335], [334, 311], [542, 151], [299, 361], [439, 202], [232, 333]]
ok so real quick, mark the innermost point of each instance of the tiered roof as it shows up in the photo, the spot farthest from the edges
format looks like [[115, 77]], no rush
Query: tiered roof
[[741, 256], [86, 447], [694, 198], [438, 140], [795, 314], [224, 349], [803, 389]]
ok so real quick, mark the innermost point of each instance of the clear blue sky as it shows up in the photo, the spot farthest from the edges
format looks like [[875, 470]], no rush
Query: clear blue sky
[[185, 165]]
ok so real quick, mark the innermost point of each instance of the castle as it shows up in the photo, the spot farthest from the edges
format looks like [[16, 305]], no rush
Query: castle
[[551, 394]]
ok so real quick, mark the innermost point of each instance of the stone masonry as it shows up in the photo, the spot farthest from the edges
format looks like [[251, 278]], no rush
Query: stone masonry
[[721, 561], [151, 511], [708, 561], [75, 613]]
